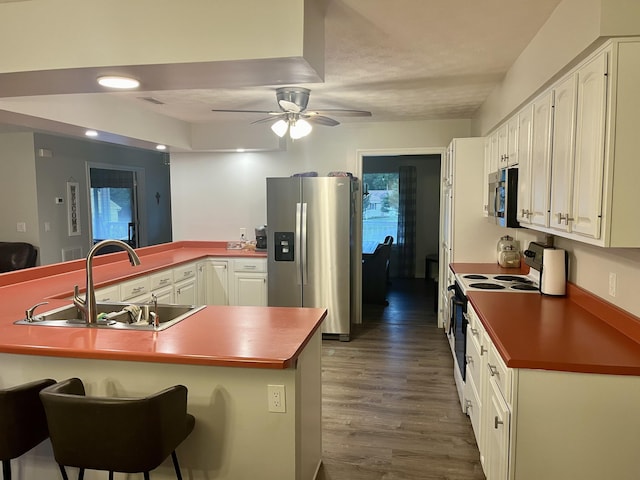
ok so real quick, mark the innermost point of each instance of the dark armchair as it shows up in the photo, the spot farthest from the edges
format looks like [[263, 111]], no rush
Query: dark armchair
[[16, 256], [375, 273]]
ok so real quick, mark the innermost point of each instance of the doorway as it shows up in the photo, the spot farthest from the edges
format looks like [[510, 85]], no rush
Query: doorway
[[114, 206], [384, 204]]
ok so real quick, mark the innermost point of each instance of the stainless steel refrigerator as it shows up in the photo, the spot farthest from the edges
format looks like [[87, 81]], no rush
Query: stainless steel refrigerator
[[310, 246]]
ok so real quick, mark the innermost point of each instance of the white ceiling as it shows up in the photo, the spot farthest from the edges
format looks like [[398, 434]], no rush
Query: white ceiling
[[401, 60]]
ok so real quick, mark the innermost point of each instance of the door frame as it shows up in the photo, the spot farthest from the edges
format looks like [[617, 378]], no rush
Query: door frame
[[141, 229], [356, 314]]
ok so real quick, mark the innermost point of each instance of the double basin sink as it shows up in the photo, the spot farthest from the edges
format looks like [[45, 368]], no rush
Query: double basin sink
[[114, 316]]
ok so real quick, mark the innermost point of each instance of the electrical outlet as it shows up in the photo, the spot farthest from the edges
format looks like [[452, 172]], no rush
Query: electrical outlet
[[613, 280], [243, 234], [276, 398], [22, 227]]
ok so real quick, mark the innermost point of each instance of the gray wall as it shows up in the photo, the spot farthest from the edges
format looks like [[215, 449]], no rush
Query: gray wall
[[428, 199], [18, 188], [30, 183]]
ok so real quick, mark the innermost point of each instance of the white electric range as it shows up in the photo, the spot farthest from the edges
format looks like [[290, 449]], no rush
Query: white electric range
[[499, 282]]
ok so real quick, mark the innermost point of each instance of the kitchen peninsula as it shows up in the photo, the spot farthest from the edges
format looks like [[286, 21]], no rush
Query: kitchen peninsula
[[225, 355]]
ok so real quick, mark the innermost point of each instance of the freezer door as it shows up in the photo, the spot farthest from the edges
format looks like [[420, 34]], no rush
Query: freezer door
[[283, 207], [326, 249]]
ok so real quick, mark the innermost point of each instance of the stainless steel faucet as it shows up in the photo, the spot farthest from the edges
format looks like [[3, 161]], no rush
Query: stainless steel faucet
[[88, 305]]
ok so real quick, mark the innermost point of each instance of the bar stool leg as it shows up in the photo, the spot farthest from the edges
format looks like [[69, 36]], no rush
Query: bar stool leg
[[6, 469], [81, 474], [110, 475], [174, 457], [146, 475], [63, 472]]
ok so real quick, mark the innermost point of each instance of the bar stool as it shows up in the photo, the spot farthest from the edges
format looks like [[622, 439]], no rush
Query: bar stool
[[23, 424], [128, 435]]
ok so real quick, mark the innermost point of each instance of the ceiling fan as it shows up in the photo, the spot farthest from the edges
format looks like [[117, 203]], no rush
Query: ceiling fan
[[294, 116]]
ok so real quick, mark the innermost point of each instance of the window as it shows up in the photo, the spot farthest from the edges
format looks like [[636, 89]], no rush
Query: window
[[379, 208], [113, 205]]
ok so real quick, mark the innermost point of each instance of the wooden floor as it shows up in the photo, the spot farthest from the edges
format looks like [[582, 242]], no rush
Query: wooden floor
[[390, 407]]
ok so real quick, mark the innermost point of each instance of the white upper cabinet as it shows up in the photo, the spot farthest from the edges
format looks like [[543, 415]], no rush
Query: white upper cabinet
[[541, 160], [588, 175], [564, 104], [513, 127], [525, 132], [576, 145], [503, 146]]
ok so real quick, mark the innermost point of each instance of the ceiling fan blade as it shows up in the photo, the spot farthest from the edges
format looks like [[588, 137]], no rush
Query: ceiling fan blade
[[247, 111], [340, 112], [321, 120], [288, 106], [269, 119]]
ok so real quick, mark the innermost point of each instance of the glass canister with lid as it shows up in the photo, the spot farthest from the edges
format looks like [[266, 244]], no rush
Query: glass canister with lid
[[508, 252]]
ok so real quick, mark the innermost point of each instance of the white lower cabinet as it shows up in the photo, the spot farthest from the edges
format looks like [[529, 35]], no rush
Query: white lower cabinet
[[534, 424], [250, 282], [185, 286], [215, 288], [164, 295], [108, 294], [185, 292]]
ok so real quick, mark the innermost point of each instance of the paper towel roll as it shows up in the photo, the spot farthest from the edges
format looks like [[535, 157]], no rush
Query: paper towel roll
[[554, 273]]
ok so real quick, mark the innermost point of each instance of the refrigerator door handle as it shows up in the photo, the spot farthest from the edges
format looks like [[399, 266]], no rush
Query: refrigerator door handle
[[303, 239], [297, 247]]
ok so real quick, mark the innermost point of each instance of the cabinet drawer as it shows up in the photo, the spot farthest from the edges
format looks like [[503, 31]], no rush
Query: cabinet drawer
[[474, 359], [473, 406], [161, 279], [499, 372], [134, 288], [183, 272], [250, 265]]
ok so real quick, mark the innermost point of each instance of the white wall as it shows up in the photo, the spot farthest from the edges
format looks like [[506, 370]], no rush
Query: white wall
[[574, 26], [18, 195], [215, 194]]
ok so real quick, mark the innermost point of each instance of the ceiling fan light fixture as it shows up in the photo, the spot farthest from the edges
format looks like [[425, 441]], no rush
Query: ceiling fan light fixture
[[113, 81], [300, 128], [280, 128]]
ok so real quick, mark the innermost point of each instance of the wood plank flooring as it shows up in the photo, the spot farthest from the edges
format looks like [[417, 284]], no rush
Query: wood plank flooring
[[390, 407]]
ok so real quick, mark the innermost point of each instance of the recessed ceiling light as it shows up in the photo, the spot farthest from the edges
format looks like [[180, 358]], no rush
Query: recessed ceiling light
[[161, 147], [118, 82], [91, 133]]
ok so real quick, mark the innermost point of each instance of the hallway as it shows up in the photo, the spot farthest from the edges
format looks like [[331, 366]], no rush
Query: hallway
[[390, 407]]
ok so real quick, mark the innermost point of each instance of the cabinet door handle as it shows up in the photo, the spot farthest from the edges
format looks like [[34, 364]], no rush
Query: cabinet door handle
[[493, 370], [568, 219], [468, 405], [561, 217], [474, 332], [468, 359], [483, 350], [497, 422]]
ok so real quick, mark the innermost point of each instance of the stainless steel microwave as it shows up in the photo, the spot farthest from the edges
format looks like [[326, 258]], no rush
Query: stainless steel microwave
[[503, 197]]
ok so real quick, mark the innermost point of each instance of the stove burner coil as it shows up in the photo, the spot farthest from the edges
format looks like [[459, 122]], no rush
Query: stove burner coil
[[511, 278], [475, 276], [487, 286], [524, 286]]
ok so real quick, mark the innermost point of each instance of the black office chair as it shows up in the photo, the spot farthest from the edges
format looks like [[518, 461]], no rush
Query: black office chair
[[23, 424], [375, 274], [128, 435]]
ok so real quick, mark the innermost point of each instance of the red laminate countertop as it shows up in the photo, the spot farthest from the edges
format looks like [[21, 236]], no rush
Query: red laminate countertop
[[254, 337], [577, 333]]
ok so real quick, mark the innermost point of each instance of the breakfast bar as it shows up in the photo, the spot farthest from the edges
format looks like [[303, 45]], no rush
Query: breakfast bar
[[226, 356]]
